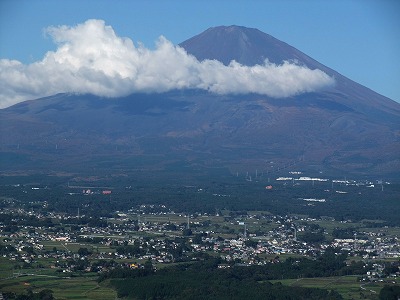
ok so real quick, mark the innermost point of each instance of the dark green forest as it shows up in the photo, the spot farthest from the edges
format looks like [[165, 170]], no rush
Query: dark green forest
[[204, 279], [207, 196]]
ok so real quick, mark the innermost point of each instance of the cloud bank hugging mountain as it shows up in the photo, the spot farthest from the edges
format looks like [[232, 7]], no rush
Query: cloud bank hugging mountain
[[91, 58]]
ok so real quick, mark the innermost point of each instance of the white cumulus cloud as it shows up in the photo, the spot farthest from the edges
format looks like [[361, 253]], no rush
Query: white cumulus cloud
[[91, 58]]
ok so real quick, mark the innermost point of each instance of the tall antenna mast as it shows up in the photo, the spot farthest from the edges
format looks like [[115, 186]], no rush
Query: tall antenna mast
[[355, 241]]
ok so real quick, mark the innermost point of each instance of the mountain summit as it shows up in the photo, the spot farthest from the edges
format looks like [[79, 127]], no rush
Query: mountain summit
[[345, 129], [247, 46], [250, 46]]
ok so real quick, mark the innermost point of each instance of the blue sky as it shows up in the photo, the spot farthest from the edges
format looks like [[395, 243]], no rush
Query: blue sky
[[360, 38]]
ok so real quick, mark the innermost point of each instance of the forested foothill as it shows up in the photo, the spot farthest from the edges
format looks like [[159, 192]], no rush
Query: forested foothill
[[203, 280], [341, 199], [199, 280]]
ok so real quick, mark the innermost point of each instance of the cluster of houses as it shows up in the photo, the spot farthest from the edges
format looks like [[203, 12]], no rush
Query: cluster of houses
[[132, 241]]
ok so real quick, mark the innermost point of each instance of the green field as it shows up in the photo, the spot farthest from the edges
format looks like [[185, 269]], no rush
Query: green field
[[63, 288], [63, 285], [348, 286]]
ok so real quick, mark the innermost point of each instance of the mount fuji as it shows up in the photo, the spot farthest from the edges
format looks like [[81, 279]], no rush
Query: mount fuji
[[345, 128]]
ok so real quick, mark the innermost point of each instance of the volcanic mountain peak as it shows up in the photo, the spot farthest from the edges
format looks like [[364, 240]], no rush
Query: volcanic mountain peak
[[348, 128], [248, 46]]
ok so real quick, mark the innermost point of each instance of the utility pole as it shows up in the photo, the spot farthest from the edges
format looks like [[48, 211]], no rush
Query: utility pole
[[355, 241]]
